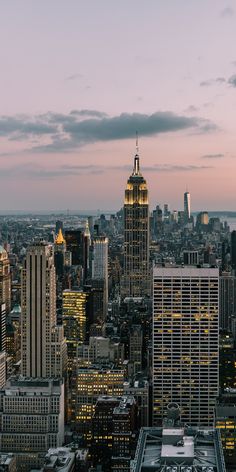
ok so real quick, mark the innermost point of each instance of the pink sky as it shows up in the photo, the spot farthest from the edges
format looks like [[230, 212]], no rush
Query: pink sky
[[166, 68]]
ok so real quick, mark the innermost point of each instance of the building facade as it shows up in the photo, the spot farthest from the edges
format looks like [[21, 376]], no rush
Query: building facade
[[185, 342], [136, 277], [43, 345]]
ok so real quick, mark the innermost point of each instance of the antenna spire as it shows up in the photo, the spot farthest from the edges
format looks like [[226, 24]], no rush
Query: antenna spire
[[136, 157], [137, 149]]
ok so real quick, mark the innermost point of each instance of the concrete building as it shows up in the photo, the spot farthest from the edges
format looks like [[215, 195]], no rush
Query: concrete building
[[43, 345], [136, 348], [2, 369], [227, 300], [139, 389], [31, 418], [7, 462], [100, 265], [90, 383], [225, 422], [186, 342], [5, 280], [178, 448], [75, 320]]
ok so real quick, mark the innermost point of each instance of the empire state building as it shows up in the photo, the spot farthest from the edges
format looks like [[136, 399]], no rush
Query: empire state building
[[136, 277]]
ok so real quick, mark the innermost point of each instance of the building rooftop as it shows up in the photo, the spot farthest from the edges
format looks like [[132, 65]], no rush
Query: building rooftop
[[178, 449], [60, 459]]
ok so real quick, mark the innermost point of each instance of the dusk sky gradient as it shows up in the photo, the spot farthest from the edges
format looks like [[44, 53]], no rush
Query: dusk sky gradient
[[78, 78]]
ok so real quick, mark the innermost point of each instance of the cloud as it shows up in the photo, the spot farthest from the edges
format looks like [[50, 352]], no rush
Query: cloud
[[37, 172], [22, 126], [232, 80], [213, 156], [227, 12], [58, 132], [75, 77], [208, 83]]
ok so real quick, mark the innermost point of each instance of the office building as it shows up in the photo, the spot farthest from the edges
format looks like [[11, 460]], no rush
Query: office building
[[225, 421], [32, 418], [178, 448], [227, 360], [5, 280], [2, 369], [233, 250], [43, 345], [100, 265], [139, 389], [136, 348], [227, 300], [136, 278], [7, 462], [100, 349], [91, 382], [2, 327], [124, 432], [187, 207], [74, 244], [75, 320], [185, 342], [191, 258]]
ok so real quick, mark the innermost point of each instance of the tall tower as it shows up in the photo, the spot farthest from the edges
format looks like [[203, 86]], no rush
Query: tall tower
[[185, 342], [136, 278], [100, 265], [5, 280], [43, 343], [187, 206]]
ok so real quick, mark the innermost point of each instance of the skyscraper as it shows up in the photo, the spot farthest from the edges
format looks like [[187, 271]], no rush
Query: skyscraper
[[100, 265], [43, 344], [187, 209], [5, 280], [185, 342], [136, 278], [233, 250]]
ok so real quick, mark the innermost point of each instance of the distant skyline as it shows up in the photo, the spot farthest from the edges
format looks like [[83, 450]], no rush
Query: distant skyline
[[79, 78]]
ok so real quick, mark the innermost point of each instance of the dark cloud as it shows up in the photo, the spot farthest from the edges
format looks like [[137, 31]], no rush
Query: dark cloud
[[232, 80], [227, 12], [213, 156], [65, 132], [21, 126]]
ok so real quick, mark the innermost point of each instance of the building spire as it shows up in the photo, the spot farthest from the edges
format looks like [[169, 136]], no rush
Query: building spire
[[136, 158]]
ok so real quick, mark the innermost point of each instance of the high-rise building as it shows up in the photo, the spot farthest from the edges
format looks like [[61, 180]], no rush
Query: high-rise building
[[136, 278], [227, 300], [74, 244], [177, 447], [90, 383], [2, 327], [233, 250], [75, 321], [5, 280], [185, 342], [43, 344], [100, 265], [225, 421], [187, 207]]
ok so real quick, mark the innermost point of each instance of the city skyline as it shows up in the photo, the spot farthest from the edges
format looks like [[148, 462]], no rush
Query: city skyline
[[110, 70]]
